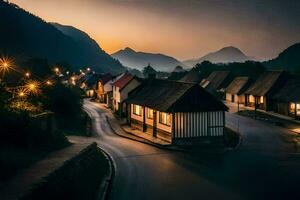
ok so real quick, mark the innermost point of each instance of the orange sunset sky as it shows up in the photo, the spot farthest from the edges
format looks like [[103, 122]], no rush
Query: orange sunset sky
[[183, 29]]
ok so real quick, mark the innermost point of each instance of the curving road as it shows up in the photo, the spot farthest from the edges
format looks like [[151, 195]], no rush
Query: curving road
[[260, 169]]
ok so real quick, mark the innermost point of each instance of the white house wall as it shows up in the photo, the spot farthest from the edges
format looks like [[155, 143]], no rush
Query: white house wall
[[128, 88], [199, 124]]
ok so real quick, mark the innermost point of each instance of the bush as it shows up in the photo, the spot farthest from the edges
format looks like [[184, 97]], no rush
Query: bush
[[63, 100]]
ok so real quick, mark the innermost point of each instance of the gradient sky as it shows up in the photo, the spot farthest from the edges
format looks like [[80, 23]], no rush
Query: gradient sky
[[180, 28]]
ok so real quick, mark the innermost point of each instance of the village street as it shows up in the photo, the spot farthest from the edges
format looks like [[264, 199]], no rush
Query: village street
[[263, 167]]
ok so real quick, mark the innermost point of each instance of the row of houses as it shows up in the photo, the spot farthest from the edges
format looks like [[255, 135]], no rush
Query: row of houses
[[173, 111], [276, 91], [177, 111]]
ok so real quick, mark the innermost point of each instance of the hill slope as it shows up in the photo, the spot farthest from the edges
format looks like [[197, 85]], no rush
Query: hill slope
[[138, 60], [289, 59], [224, 55], [26, 35]]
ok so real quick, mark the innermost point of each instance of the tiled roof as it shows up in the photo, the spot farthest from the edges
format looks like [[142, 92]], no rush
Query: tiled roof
[[123, 81], [193, 76], [237, 86], [215, 80], [171, 96], [290, 90], [264, 83]]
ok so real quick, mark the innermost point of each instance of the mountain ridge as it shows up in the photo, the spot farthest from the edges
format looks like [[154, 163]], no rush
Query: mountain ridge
[[223, 55], [29, 36], [138, 59], [288, 59]]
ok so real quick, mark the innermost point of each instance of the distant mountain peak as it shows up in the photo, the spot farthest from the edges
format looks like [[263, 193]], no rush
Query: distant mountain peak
[[128, 49], [231, 48], [223, 55]]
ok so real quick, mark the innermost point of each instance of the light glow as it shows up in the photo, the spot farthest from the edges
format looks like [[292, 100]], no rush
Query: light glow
[[33, 87], [49, 82], [21, 93], [5, 64]]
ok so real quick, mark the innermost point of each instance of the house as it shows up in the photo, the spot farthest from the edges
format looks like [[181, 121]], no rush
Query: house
[[235, 91], [216, 81], [89, 83], [287, 98], [193, 76], [175, 111], [104, 86], [259, 94], [121, 87]]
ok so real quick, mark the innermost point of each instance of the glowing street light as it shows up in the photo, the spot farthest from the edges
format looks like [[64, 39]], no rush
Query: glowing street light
[[27, 74], [88, 69], [33, 87], [48, 82], [56, 70], [21, 93], [5, 64]]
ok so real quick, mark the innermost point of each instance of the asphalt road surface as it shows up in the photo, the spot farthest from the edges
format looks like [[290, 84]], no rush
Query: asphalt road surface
[[263, 167]]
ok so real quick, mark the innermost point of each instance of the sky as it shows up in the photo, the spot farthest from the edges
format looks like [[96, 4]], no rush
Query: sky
[[181, 28]]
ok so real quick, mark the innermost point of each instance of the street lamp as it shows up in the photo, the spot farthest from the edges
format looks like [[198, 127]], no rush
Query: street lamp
[[33, 87], [27, 74], [48, 82]]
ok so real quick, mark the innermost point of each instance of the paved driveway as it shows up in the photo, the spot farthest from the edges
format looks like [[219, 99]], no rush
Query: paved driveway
[[260, 169]]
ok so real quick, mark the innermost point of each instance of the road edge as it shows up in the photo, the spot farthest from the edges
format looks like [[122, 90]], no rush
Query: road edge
[[145, 141], [106, 185]]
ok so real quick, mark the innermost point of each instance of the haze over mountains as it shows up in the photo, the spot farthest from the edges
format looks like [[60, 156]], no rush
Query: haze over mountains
[[224, 55], [26, 36], [138, 60]]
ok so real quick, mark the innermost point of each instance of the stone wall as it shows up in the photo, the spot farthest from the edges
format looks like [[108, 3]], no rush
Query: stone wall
[[78, 178]]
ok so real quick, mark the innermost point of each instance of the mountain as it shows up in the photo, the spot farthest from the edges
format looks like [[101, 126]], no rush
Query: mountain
[[224, 55], [92, 51], [138, 60], [288, 60], [28, 36]]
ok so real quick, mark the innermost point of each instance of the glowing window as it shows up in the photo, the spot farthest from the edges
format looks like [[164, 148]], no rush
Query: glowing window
[[149, 113], [251, 99], [164, 118], [261, 99], [137, 110]]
